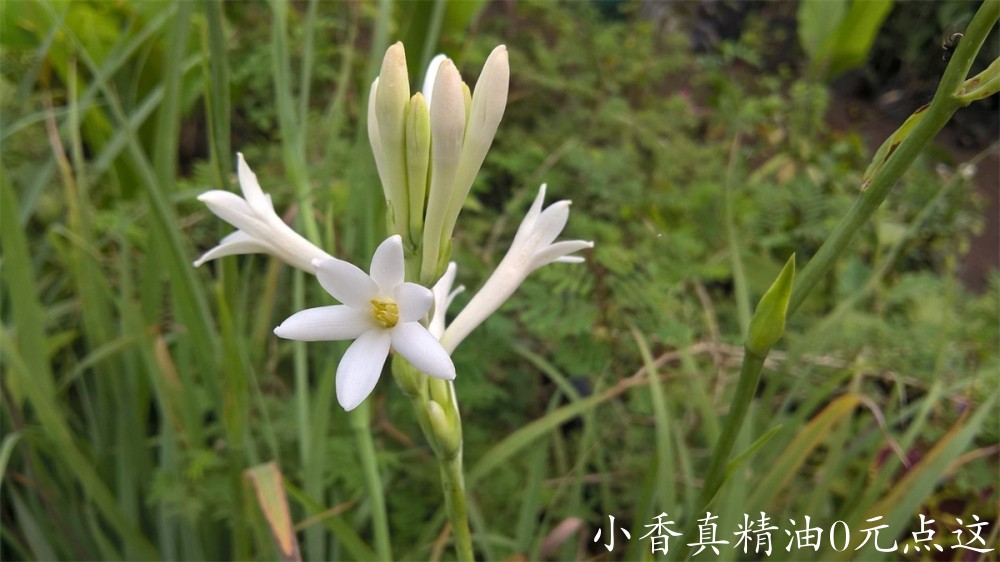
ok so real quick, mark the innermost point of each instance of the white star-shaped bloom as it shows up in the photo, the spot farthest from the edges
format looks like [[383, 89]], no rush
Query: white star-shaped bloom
[[260, 229], [534, 246], [379, 311]]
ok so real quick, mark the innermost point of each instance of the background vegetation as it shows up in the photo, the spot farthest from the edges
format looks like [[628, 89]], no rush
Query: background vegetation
[[693, 140]]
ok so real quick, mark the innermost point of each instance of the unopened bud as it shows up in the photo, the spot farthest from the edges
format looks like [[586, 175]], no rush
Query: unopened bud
[[418, 146], [768, 323], [447, 435]]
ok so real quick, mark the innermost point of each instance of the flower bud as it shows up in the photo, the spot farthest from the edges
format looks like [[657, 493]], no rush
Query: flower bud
[[447, 115], [391, 100], [485, 111], [768, 323], [446, 433], [418, 146]]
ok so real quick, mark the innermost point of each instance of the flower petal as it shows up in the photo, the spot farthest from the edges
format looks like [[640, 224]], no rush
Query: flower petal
[[443, 296], [228, 206], [560, 252], [361, 367], [346, 282], [387, 264], [326, 323], [255, 197], [432, 69], [551, 223], [238, 242], [413, 301], [528, 224], [422, 350]]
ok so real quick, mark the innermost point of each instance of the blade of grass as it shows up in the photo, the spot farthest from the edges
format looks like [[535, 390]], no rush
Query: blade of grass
[[806, 440], [217, 89], [268, 484], [35, 375], [6, 451], [665, 491], [191, 302]]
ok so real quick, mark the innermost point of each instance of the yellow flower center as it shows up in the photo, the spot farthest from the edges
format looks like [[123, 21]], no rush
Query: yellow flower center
[[385, 312]]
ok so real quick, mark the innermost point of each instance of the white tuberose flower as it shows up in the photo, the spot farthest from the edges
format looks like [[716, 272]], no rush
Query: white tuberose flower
[[379, 311], [260, 229], [532, 248]]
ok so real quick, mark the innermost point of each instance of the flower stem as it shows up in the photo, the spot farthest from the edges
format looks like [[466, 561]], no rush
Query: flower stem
[[436, 410], [946, 101], [453, 484], [361, 425], [942, 107]]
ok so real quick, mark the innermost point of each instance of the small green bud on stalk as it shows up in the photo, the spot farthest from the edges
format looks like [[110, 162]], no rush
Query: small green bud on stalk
[[446, 433], [768, 322], [407, 376]]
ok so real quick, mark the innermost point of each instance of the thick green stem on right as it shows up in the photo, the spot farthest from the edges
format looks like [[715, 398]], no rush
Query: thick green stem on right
[[946, 101]]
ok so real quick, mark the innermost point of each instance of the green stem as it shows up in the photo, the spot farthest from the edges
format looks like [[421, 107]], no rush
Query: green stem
[[750, 372], [436, 410], [361, 426], [941, 108], [453, 483]]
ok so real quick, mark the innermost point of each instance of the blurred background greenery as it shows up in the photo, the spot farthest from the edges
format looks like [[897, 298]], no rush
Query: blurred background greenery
[[702, 143]]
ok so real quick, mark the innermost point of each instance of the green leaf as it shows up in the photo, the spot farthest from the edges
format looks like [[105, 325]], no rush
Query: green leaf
[[982, 85], [890, 145], [817, 21]]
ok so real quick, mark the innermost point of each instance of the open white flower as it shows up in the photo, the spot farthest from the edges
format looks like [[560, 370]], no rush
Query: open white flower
[[379, 312], [260, 229], [533, 246]]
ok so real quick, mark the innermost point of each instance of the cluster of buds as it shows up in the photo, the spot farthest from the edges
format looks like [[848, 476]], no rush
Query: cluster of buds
[[429, 147]]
